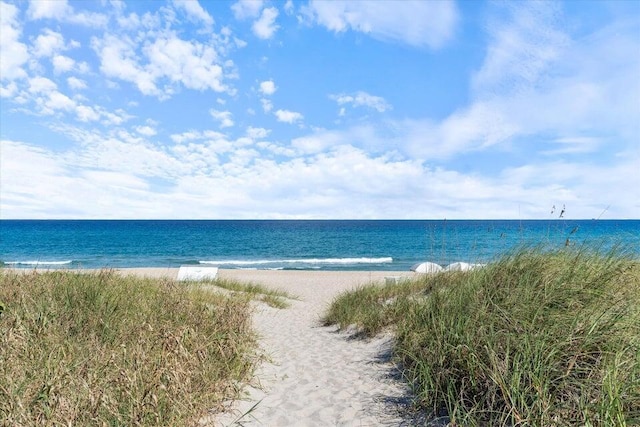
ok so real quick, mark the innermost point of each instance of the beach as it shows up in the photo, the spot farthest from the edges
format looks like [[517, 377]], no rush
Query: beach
[[307, 374], [312, 375]]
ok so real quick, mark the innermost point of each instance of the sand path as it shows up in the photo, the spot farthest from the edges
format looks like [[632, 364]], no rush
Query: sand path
[[316, 376]]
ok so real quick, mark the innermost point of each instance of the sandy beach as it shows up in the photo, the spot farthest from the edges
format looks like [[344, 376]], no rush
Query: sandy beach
[[313, 376]]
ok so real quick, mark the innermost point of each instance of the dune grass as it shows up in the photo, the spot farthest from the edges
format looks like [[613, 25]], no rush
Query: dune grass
[[272, 297], [537, 338], [101, 349]]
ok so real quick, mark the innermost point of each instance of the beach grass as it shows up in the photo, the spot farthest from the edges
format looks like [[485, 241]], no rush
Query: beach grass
[[103, 349], [272, 297], [537, 338]]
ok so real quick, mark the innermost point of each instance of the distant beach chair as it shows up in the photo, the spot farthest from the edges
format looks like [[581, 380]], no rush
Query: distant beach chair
[[193, 273]]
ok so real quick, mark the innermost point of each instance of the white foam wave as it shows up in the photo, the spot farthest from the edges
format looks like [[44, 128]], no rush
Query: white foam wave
[[38, 262], [382, 260]]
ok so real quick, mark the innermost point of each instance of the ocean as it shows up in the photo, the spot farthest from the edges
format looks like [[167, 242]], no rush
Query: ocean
[[393, 245]]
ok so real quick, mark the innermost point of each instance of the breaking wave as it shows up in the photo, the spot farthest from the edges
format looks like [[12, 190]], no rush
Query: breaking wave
[[339, 261], [36, 263]]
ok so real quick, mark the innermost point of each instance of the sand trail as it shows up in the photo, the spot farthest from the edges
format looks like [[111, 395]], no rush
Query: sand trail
[[315, 375]]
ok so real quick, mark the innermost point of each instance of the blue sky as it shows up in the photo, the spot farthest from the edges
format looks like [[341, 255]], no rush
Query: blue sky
[[310, 109]]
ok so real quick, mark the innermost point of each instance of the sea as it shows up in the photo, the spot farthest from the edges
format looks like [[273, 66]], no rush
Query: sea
[[394, 245]]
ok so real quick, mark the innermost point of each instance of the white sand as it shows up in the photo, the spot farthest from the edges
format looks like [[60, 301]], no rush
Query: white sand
[[315, 376]]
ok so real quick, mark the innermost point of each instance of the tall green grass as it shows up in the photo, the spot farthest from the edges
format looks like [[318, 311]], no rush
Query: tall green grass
[[101, 349], [537, 338]]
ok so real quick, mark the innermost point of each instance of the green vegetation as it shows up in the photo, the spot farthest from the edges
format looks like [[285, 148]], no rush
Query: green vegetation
[[272, 297], [101, 349], [538, 338]]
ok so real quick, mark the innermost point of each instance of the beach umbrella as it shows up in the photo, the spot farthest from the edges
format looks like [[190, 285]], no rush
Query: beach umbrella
[[426, 267]]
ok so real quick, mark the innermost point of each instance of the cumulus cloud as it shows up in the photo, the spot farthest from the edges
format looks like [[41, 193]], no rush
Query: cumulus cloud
[[362, 99], [170, 60], [223, 117], [86, 113], [264, 20], [414, 22], [191, 63], [48, 9], [268, 87], [13, 53], [48, 43], [267, 105], [257, 133], [194, 10], [146, 130], [47, 100], [287, 116], [76, 83], [244, 9], [60, 10], [266, 26], [62, 64]]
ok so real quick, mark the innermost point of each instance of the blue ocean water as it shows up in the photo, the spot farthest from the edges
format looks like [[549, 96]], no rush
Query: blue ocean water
[[293, 244]]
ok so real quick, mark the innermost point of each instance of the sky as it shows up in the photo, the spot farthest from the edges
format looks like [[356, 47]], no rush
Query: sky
[[319, 109]]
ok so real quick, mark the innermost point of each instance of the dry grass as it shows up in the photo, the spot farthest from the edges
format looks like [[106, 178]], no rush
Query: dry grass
[[538, 338], [272, 297], [100, 349]]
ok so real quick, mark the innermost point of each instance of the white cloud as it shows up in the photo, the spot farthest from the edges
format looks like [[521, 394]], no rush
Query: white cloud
[[244, 9], [9, 90], [523, 49], [413, 22], [146, 130], [288, 7], [57, 101], [13, 53], [118, 59], [191, 63], [41, 85], [48, 9], [335, 180], [76, 83], [318, 142], [48, 100], [266, 26], [194, 10], [195, 135], [362, 99], [268, 87], [61, 10], [171, 61], [257, 133], [224, 117], [267, 105], [537, 83], [48, 43], [86, 113], [62, 64], [287, 116]]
